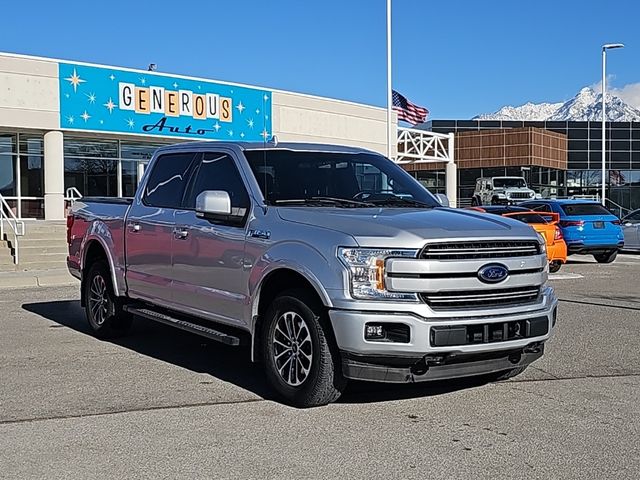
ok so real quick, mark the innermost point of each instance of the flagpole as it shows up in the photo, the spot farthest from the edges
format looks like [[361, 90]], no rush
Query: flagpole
[[389, 96]]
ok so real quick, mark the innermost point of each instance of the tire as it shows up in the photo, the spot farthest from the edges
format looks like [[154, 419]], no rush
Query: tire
[[554, 266], [102, 308], [606, 257], [474, 202], [315, 352], [507, 374]]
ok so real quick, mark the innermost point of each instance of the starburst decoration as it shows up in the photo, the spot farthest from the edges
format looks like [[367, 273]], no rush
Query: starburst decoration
[[85, 116], [266, 97], [112, 77], [242, 135], [250, 123], [175, 85], [91, 97], [217, 126], [70, 119], [264, 134], [230, 132], [143, 80], [101, 122], [75, 80], [131, 123], [257, 111], [240, 107], [110, 105]]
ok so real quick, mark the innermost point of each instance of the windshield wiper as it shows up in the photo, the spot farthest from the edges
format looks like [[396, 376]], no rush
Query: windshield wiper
[[323, 201], [398, 201]]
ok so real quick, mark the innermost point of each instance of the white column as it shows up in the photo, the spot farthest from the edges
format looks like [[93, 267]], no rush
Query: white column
[[604, 119], [452, 174], [391, 139], [53, 176]]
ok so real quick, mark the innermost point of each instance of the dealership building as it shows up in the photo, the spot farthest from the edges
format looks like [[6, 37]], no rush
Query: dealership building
[[73, 128], [557, 158]]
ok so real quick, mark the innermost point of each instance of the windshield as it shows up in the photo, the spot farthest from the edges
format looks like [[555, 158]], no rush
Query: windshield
[[509, 183], [289, 177]]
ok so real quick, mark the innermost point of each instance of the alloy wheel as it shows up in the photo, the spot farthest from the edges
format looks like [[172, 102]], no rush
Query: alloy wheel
[[292, 348]]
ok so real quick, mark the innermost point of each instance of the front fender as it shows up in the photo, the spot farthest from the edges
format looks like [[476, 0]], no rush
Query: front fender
[[322, 272]]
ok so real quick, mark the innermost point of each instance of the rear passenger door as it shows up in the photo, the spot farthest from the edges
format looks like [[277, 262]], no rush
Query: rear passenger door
[[208, 256], [150, 226]]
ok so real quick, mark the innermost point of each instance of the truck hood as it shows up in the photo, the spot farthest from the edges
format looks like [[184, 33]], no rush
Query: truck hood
[[407, 227]]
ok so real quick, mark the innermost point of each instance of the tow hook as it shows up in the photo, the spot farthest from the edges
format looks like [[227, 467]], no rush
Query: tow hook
[[533, 348], [422, 366]]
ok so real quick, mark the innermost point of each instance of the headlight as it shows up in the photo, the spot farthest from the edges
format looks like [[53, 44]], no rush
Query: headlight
[[543, 243], [366, 272], [501, 195]]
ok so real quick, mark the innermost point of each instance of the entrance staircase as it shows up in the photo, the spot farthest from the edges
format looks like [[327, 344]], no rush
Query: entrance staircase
[[43, 247]]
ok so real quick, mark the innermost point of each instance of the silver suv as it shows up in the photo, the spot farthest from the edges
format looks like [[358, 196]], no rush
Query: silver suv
[[330, 263], [501, 191]]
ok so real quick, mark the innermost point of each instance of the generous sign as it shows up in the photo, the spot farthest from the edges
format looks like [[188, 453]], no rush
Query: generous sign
[[109, 100]]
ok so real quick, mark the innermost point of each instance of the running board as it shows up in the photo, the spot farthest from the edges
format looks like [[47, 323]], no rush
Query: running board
[[184, 325]]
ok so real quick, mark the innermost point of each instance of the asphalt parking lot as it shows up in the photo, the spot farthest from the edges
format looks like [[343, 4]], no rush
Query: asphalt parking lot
[[162, 403]]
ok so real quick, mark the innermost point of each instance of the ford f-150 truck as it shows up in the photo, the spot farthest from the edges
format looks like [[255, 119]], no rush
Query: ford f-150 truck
[[331, 263]]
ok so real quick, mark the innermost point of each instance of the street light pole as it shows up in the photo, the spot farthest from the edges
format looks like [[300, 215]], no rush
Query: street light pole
[[605, 47]]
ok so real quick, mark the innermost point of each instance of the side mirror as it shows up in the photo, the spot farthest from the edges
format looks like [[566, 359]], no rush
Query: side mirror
[[442, 199], [213, 203]]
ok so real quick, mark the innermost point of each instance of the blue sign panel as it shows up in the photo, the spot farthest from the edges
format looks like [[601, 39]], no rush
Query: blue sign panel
[[110, 100]]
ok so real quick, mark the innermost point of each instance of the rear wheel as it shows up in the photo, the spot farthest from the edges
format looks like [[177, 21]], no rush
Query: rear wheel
[[301, 360], [103, 310], [606, 257], [554, 266], [475, 202]]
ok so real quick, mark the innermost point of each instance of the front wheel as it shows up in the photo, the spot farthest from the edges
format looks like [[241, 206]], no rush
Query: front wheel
[[554, 266], [103, 311], [301, 360], [606, 257]]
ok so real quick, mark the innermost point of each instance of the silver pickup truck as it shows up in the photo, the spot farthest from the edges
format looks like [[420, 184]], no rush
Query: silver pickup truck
[[330, 263]]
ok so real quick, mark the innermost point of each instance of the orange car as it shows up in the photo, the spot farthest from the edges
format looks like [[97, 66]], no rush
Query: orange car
[[542, 222]]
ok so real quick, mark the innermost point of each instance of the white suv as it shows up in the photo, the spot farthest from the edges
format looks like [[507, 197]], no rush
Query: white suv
[[501, 191]]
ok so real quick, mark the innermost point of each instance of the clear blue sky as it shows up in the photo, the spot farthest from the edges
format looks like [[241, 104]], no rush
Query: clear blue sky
[[457, 58]]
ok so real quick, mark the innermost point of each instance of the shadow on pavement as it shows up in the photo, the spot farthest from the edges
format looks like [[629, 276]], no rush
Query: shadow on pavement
[[230, 364]]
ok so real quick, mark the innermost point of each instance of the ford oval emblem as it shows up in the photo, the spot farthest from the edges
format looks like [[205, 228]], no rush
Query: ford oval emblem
[[493, 273]]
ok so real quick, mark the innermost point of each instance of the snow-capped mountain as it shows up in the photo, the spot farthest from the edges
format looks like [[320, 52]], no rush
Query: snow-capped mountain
[[528, 111], [586, 105]]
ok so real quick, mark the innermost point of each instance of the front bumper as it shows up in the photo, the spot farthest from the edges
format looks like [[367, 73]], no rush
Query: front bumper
[[400, 362]]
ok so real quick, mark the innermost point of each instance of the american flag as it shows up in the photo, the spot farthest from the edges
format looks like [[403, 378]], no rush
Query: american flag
[[407, 111]]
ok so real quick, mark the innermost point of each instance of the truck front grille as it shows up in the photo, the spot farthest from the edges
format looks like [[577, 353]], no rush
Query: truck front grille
[[519, 195], [480, 249], [481, 298]]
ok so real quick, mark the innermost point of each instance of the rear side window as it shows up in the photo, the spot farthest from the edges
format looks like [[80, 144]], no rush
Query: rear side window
[[585, 209], [218, 171], [168, 180]]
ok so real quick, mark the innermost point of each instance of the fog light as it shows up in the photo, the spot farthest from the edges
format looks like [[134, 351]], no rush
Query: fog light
[[373, 331]]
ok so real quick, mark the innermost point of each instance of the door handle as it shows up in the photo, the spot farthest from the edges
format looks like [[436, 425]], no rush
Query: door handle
[[134, 227], [180, 233]]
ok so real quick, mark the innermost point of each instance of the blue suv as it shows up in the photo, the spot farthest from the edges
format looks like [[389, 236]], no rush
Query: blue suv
[[587, 227]]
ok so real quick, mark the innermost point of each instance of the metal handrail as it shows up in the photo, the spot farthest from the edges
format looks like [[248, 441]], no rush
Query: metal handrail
[[620, 208], [72, 194], [16, 225]]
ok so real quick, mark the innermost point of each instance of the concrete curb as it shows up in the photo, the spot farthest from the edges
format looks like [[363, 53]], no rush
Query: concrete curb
[[31, 279]]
